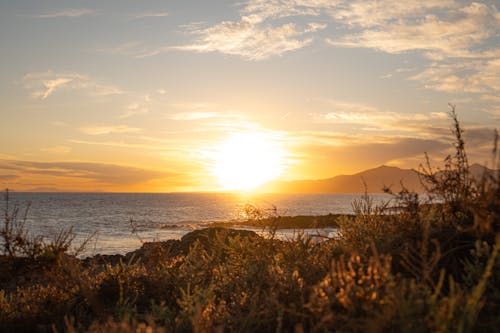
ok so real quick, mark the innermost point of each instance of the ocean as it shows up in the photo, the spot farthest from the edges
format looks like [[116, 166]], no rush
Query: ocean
[[121, 221]]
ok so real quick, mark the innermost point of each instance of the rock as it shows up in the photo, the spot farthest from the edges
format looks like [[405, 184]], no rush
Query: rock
[[207, 237], [19, 271], [155, 250], [104, 259]]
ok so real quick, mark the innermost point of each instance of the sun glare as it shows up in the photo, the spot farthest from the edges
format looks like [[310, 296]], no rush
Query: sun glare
[[247, 160]]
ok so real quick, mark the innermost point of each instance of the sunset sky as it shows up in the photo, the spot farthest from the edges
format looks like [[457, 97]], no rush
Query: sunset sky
[[156, 96]]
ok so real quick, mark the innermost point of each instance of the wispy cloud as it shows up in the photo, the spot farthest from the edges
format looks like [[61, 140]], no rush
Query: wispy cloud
[[70, 12], [132, 49], [457, 36], [378, 151], [8, 177], [169, 146], [258, 35], [313, 27], [135, 109], [356, 128], [57, 150], [258, 23], [193, 115], [58, 123], [477, 76], [371, 13], [104, 130], [373, 119], [44, 84], [98, 172], [366, 120], [151, 14], [260, 10], [144, 104], [194, 105], [441, 36], [249, 40], [121, 144], [52, 85], [344, 152], [189, 111]]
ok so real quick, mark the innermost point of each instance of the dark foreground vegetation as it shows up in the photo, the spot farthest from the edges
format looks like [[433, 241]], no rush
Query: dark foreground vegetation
[[429, 266]]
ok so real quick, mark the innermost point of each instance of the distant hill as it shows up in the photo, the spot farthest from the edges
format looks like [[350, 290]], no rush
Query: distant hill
[[375, 180], [477, 171]]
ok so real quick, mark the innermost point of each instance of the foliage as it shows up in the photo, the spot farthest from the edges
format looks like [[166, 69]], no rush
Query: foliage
[[15, 238], [16, 241]]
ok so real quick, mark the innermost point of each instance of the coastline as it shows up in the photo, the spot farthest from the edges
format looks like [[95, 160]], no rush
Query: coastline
[[288, 222]]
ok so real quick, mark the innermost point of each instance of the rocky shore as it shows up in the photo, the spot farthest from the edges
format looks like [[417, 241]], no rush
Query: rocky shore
[[18, 272]]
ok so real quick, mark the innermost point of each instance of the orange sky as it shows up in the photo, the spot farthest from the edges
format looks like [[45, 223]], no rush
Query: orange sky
[[148, 96]]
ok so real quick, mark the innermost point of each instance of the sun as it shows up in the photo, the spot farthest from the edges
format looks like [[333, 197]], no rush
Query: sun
[[247, 160]]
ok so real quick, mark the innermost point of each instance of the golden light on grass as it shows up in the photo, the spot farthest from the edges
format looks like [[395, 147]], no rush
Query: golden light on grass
[[247, 160]]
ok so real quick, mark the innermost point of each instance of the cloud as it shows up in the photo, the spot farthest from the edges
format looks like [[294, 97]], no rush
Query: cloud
[[135, 109], [151, 14], [458, 37], [8, 177], [260, 10], [141, 107], [51, 85], [202, 111], [104, 130], [377, 118], [440, 28], [365, 119], [450, 33], [72, 12], [99, 172], [193, 115], [479, 137], [246, 39], [479, 76], [439, 36], [121, 144], [380, 12], [132, 49], [194, 105], [143, 104], [44, 84], [313, 27], [57, 150], [385, 151], [175, 148], [439, 115], [258, 34], [352, 123], [327, 155], [58, 123]]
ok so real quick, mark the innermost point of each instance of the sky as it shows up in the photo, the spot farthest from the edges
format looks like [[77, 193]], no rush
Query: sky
[[126, 96]]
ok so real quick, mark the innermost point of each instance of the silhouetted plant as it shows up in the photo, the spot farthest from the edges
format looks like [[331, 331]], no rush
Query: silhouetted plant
[[15, 238]]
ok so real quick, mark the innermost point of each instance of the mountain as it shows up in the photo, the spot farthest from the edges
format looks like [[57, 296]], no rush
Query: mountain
[[477, 171], [375, 179]]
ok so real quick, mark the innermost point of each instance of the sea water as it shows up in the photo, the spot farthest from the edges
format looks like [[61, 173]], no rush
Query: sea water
[[121, 221]]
